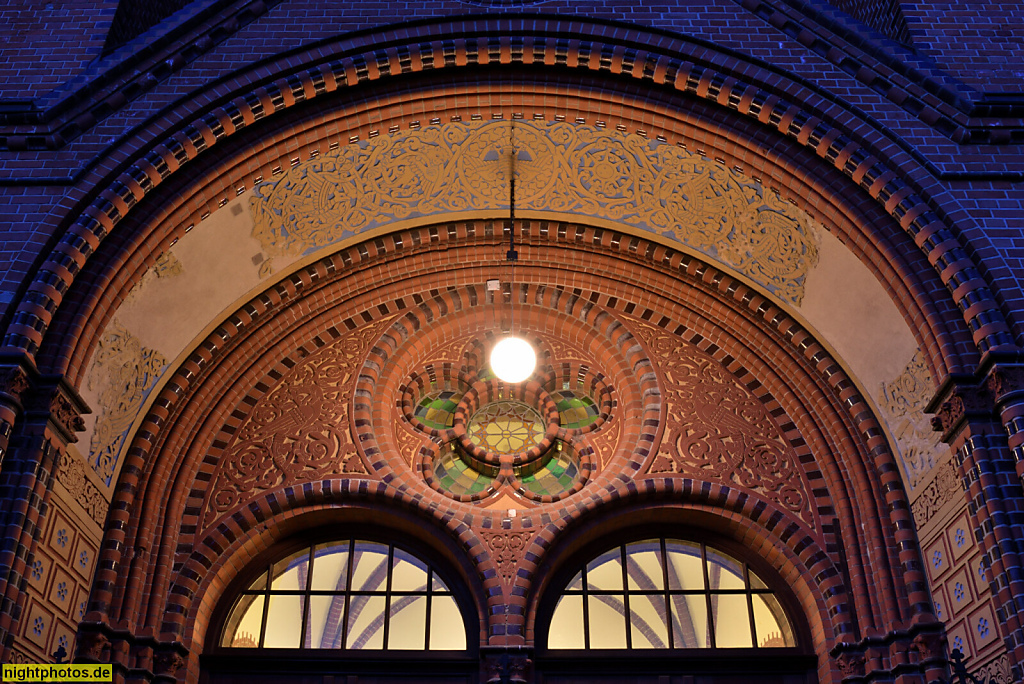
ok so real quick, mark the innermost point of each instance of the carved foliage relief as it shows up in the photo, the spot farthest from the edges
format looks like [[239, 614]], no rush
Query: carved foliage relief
[[902, 403], [299, 430], [506, 548], [71, 474], [123, 374], [940, 490], [560, 167], [716, 430]]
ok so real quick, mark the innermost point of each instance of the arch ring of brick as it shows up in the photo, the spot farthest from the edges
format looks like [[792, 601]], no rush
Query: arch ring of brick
[[684, 66], [151, 231], [147, 478]]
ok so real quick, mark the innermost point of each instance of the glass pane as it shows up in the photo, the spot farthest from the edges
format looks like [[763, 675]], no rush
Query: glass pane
[[284, 622], [685, 568], [408, 573], [724, 572], [447, 631], [369, 567], [330, 567], [566, 630], [365, 622], [607, 622], [755, 581], [732, 620], [770, 623], [290, 574], [324, 624], [243, 627], [648, 628], [408, 627], [643, 565], [605, 571], [576, 584], [690, 621]]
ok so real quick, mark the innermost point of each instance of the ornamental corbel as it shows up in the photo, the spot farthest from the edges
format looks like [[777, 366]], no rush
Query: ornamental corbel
[[14, 381], [960, 399], [57, 403], [1006, 383]]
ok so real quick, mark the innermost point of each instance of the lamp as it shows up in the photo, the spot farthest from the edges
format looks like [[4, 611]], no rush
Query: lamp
[[512, 358]]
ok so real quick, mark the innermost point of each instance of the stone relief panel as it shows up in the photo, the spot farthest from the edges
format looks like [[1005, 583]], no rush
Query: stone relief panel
[[933, 496], [568, 169], [996, 672], [71, 474], [507, 547], [123, 373], [902, 403], [716, 430], [299, 430]]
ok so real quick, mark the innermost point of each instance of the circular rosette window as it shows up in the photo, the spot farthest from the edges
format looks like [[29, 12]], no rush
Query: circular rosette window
[[486, 435], [498, 425]]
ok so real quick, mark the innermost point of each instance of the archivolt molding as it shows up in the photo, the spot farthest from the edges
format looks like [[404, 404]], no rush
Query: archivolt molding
[[262, 310], [563, 168], [834, 142]]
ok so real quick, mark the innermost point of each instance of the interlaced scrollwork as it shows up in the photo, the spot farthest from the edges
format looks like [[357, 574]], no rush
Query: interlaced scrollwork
[[717, 430], [299, 430], [560, 167]]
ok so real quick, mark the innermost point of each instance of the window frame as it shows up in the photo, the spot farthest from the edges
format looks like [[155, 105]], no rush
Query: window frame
[[257, 660], [793, 660]]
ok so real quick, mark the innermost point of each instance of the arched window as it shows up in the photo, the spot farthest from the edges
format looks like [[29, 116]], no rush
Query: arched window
[[668, 594], [350, 595]]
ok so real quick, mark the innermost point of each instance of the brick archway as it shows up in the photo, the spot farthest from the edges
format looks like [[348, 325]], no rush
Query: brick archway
[[668, 67], [211, 394]]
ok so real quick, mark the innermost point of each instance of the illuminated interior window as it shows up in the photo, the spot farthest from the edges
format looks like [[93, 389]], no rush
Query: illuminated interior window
[[437, 409], [456, 476], [558, 474], [350, 595], [668, 594], [575, 410]]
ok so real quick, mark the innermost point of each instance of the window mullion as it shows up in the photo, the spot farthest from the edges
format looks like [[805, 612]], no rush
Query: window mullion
[[712, 624], [668, 601], [430, 596], [625, 597], [266, 603], [348, 592], [586, 609], [387, 594]]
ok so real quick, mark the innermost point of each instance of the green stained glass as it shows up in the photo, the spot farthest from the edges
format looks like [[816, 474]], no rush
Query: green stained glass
[[575, 410], [437, 409], [506, 427], [557, 476], [454, 475]]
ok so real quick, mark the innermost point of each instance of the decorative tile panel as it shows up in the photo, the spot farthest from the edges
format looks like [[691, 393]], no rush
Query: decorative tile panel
[[960, 590]]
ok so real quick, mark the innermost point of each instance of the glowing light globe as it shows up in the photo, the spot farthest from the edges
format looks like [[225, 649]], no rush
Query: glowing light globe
[[513, 359]]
